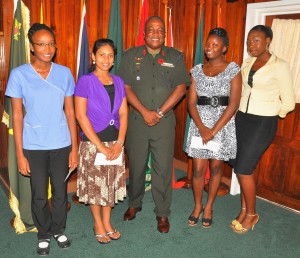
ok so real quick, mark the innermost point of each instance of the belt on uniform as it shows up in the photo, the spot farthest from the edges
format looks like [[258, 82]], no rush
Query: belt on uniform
[[214, 101]]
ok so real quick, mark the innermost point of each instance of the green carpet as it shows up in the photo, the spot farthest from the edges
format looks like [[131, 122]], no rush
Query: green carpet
[[276, 235]]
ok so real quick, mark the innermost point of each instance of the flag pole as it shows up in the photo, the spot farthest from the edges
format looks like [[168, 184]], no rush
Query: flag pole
[[166, 3], [219, 11]]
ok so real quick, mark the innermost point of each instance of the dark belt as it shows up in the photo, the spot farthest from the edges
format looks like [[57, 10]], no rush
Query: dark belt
[[214, 101]]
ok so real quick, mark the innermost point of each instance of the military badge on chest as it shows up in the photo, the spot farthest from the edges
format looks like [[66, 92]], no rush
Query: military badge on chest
[[138, 66], [162, 62], [138, 61]]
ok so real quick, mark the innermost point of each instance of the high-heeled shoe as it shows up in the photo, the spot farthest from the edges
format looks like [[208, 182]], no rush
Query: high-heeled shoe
[[235, 221], [207, 220], [241, 230], [194, 219]]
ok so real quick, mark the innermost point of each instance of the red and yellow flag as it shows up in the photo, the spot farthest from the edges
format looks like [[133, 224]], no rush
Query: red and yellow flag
[[143, 17]]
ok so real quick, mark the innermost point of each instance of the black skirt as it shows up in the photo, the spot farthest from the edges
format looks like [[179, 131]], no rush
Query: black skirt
[[254, 135]]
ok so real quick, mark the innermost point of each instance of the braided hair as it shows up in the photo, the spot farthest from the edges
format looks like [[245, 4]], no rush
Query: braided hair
[[36, 27], [222, 34], [99, 43], [265, 29]]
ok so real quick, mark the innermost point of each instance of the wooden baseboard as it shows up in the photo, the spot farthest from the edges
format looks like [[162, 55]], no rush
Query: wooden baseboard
[[4, 180]]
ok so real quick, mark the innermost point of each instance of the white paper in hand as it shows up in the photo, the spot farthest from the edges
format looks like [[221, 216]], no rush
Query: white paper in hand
[[197, 143], [70, 172], [101, 160]]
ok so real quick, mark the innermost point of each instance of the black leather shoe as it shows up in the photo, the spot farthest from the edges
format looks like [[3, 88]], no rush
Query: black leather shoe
[[131, 213], [43, 250], [62, 244], [163, 224]]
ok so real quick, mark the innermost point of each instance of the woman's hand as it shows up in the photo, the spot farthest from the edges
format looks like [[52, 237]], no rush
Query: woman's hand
[[73, 160], [23, 166], [206, 134], [116, 149], [105, 150]]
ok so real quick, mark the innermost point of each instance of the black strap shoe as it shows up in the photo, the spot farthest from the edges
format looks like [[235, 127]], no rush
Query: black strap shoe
[[62, 240], [43, 247]]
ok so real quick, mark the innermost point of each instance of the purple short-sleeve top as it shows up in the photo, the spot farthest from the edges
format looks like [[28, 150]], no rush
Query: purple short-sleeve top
[[98, 103]]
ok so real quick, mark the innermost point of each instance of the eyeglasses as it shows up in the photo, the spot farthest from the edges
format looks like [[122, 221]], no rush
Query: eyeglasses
[[43, 45]]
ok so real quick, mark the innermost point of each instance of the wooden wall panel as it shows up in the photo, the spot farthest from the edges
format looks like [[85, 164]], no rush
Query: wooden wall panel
[[184, 40], [292, 180], [277, 174], [236, 30]]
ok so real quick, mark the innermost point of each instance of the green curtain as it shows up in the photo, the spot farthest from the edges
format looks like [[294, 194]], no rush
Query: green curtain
[[115, 32]]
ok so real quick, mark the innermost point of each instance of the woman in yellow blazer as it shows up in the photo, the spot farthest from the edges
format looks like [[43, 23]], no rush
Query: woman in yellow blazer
[[267, 94]]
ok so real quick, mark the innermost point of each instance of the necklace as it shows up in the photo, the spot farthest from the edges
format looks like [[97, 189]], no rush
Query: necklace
[[212, 69], [105, 80]]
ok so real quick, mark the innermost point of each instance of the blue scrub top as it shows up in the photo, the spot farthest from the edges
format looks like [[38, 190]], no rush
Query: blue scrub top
[[45, 125]]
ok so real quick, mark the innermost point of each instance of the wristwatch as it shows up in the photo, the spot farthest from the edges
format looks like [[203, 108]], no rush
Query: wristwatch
[[158, 111]]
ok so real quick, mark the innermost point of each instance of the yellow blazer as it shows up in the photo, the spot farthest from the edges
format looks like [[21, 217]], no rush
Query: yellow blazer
[[272, 92]]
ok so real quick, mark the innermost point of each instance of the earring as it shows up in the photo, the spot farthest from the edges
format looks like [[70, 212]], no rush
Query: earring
[[94, 62]]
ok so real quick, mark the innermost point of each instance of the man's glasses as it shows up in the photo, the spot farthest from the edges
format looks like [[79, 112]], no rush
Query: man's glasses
[[43, 45]]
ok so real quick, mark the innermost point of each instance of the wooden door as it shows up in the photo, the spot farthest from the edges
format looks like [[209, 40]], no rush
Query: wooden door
[[277, 175]]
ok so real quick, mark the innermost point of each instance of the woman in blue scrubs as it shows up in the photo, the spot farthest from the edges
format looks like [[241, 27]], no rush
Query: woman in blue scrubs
[[45, 134]]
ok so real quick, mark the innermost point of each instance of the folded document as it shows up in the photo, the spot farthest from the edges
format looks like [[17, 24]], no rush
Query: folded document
[[197, 143], [101, 160]]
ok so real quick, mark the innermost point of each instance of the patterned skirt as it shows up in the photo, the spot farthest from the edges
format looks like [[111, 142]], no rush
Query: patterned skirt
[[102, 185]]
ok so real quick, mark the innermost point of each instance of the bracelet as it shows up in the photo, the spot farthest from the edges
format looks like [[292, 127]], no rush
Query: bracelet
[[99, 145], [119, 142], [158, 111]]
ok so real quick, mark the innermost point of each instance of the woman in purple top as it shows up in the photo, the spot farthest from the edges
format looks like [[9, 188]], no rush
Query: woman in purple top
[[101, 110]]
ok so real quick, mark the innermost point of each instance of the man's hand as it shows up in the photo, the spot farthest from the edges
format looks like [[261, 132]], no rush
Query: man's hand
[[151, 118]]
